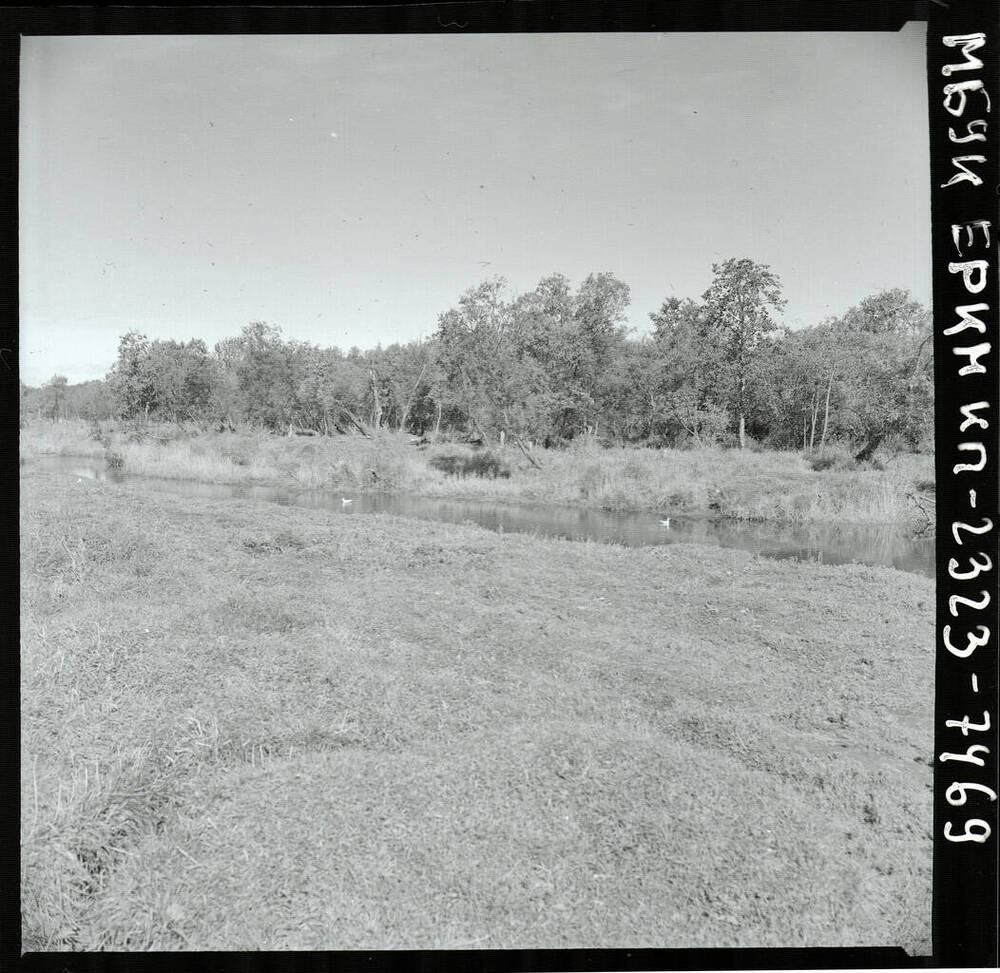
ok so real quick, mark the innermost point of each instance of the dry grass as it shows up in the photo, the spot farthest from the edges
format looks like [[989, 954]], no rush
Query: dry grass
[[71, 437], [749, 485], [766, 486], [258, 727]]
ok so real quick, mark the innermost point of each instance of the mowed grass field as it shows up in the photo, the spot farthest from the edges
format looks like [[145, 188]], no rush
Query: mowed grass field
[[257, 727]]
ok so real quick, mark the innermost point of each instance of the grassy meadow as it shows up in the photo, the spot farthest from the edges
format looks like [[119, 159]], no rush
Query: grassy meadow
[[250, 726], [743, 485]]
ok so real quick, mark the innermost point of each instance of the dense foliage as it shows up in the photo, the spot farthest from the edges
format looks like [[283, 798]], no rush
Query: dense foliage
[[552, 364]]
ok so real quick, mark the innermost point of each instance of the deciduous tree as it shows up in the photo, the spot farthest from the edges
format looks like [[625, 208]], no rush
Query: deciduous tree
[[739, 303], [131, 379], [54, 392]]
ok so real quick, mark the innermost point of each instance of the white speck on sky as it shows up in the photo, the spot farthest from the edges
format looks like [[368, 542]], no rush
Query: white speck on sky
[[185, 186]]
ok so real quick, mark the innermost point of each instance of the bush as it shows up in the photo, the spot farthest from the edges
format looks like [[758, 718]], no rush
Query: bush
[[485, 465], [820, 463], [833, 458], [592, 479], [236, 456], [98, 435], [681, 499], [384, 470]]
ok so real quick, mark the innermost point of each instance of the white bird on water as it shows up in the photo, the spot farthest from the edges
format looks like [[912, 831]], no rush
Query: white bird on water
[[345, 501], [665, 523]]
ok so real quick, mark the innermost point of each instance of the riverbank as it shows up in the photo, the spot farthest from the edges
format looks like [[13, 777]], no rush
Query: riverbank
[[249, 727], [741, 485]]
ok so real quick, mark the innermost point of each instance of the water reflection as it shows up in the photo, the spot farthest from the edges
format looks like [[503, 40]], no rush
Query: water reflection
[[825, 544]]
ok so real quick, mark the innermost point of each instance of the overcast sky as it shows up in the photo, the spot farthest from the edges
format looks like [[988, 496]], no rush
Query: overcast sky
[[349, 188]]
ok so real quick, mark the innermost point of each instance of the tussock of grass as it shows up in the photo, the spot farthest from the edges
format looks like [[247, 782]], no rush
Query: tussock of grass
[[290, 731], [76, 838]]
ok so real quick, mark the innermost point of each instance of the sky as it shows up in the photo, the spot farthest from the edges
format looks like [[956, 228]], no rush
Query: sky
[[349, 189]]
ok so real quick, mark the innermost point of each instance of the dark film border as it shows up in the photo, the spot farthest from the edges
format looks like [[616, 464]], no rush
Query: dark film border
[[962, 57], [965, 890]]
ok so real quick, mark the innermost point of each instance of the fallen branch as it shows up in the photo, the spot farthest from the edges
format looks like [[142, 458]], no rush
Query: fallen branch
[[357, 423], [531, 459]]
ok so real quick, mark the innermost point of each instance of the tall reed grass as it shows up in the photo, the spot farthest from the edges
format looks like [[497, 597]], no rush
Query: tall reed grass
[[71, 437], [745, 485]]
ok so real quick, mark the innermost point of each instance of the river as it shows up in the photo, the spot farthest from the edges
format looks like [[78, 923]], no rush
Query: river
[[886, 545]]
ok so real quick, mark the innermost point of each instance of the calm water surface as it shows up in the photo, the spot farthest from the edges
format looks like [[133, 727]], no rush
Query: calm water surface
[[829, 544]]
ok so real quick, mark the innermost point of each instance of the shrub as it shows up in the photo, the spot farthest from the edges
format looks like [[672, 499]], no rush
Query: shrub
[[591, 479], [450, 465], [681, 499], [98, 435], [820, 463], [836, 459], [135, 433], [341, 475], [486, 465]]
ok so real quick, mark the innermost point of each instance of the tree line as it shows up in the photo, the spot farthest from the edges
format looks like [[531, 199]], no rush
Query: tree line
[[555, 363]]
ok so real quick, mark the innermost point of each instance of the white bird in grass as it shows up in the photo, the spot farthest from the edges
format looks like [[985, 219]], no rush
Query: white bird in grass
[[345, 501], [665, 523]]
